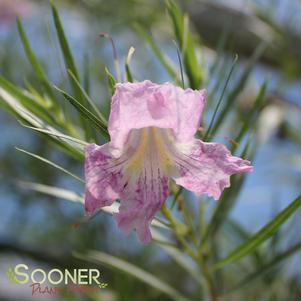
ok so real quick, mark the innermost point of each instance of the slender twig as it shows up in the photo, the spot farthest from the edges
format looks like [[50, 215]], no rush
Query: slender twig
[[178, 193], [200, 259], [179, 235], [192, 233], [207, 275], [115, 56]]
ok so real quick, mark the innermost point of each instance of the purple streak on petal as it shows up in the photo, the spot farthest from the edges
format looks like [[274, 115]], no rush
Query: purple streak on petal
[[140, 185], [141, 200], [102, 178]]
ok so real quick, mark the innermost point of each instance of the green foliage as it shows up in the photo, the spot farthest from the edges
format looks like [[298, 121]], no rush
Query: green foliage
[[111, 81], [157, 52], [51, 163], [84, 112], [34, 61], [133, 270], [220, 99], [187, 46], [262, 235]]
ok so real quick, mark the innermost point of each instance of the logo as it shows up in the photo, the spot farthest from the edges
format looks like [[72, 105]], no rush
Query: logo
[[79, 281]]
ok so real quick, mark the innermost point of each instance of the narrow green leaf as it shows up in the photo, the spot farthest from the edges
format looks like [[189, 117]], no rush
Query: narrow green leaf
[[111, 81], [7, 107], [221, 98], [130, 269], [34, 61], [30, 103], [86, 80], [55, 134], [44, 102], [51, 163], [249, 121], [21, 113], [262, 235], [240, 84], [178, 256], [85, 113], [266, 267], [68, 58], [70, 65], [128, 72], [181, 65], [57, 192], [69, 195], [224, 205], [185, 40], [242, 234], [218, 79], [88, 99], [157, 52]]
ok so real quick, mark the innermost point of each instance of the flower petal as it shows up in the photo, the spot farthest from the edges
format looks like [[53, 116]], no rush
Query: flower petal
[[102, 179], [142, 198], [145, 104], [136, 178], [208, 167]]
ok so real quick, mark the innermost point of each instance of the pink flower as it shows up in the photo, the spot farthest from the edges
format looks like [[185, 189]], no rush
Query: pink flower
[[152, 130]]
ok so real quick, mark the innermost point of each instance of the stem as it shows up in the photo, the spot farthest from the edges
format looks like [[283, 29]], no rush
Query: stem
[[187, 219], [200, 258], [207, 275], [176, 197], [179, 235], [202, 218]]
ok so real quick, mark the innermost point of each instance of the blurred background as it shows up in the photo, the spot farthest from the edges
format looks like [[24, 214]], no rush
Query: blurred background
[[43, 230]]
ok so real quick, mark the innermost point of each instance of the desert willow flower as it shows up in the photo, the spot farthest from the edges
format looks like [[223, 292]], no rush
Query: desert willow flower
[[152, 130]]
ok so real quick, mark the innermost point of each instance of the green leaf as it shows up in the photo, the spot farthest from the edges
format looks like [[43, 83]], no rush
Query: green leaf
[[178, 256], [267, 267], [185, 40], [157, 52], [20, 112], [86, 113], [51, 163], [86, 80], [70, 65], [224, 205], [55, 134], [131, 269], [30, 103], [262, 235], [34, 61], [57, 192], [111, 81], [249, 120], [238, 87], [88, 99], [128, 72], [221, 98], [242, 234], [69, 195], [68, 58]]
